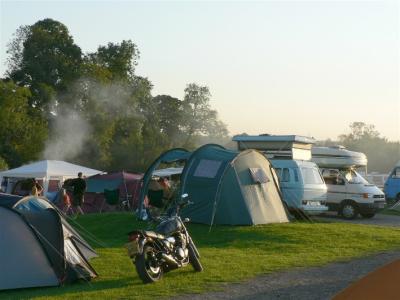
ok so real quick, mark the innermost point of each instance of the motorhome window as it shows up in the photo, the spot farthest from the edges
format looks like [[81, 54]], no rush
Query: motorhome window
[[207, 168], [296, 175], [353, 177], [396, 173], [258, 175], [311, 176], [285, 175]]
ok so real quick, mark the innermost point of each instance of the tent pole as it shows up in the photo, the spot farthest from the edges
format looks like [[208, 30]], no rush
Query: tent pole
[[217, 193], [45, 185]]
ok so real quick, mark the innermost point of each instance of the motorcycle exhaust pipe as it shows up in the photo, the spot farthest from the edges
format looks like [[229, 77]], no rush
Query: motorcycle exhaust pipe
[[170, 260]]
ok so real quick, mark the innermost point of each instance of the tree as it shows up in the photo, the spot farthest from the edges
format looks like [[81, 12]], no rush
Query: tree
[[3, 164], [119, 59], [359, 131], [98, 111], [170, 116], [381, 153], [22, 134], [104, 102], [44, 58], [199, 118]]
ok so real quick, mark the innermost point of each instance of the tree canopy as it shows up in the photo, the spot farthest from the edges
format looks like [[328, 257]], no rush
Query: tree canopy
[[22, 134], [92, 108], [44, 58]]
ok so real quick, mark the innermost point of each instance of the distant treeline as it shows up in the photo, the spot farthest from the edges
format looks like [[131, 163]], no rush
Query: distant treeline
[[382, 154], [57, 102]]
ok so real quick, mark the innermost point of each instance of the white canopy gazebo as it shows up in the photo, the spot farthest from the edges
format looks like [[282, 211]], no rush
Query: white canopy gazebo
[[47, 170]]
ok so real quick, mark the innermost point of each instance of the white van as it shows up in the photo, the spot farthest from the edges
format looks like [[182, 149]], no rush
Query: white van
[[348, 192]]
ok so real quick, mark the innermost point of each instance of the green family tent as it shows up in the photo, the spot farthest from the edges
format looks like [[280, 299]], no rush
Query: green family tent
[[230, 187]]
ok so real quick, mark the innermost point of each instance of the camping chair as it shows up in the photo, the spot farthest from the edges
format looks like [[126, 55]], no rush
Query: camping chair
[[156, 198], [111, 197], [156, 203]]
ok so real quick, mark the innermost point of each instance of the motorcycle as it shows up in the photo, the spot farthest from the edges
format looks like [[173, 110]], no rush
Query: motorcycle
[[167, 248]]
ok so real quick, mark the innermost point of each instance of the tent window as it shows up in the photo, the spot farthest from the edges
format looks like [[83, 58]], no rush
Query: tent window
[[258, 175], [32, 204], [207, 168]]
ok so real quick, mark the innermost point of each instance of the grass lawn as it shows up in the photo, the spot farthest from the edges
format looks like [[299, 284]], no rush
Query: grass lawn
[[229, 254]]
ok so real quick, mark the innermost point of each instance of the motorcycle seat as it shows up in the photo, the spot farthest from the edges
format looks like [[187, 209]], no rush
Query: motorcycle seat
[[153, 234]]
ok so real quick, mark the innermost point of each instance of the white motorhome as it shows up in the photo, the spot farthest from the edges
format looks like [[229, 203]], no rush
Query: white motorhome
[[348, 192]]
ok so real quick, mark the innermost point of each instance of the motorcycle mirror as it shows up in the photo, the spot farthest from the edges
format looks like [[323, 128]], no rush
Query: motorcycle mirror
[[185, 195]]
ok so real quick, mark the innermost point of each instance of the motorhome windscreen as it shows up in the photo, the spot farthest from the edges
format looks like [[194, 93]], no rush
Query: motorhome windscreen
[[353, 177], [311, 176]]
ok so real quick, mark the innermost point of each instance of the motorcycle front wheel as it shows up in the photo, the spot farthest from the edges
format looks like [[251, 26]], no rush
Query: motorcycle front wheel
[[194, 260], [147, 265]]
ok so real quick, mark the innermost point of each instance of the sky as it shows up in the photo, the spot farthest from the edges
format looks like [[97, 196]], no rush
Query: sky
[[280, 67]]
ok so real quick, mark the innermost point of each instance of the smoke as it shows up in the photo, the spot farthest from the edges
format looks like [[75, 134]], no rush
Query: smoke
[[69, 134], [70, 128]]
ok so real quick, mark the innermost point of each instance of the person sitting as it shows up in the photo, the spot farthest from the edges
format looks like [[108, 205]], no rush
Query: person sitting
[[155, 194], [36, 189], [65, 200]]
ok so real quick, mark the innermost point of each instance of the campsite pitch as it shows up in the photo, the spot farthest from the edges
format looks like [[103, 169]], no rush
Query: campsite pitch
[[229, 254]]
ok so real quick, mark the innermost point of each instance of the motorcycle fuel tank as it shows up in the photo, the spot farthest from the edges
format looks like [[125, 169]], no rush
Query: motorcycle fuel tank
[[169, 226]]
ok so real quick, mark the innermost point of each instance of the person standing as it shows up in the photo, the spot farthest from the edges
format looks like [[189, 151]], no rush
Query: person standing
[[79, 188]]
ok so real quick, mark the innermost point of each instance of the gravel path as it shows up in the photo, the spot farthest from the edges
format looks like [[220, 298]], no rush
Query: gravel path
[[378, 219], [304, 283]]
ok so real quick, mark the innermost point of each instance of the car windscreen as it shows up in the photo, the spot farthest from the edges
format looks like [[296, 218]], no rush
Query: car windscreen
[[353, 177], [311, 176]]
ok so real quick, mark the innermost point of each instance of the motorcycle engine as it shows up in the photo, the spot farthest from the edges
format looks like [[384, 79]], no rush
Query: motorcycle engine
[[179, 253]]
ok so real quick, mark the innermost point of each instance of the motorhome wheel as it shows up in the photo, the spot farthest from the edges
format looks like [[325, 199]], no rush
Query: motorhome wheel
[[349, 211]]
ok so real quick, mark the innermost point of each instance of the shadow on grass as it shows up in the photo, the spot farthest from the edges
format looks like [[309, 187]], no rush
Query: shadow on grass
[[78, 287], [237, 237]]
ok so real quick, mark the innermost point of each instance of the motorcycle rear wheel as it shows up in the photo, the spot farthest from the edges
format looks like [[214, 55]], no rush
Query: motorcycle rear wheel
[[147, 266], [194, 260]]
